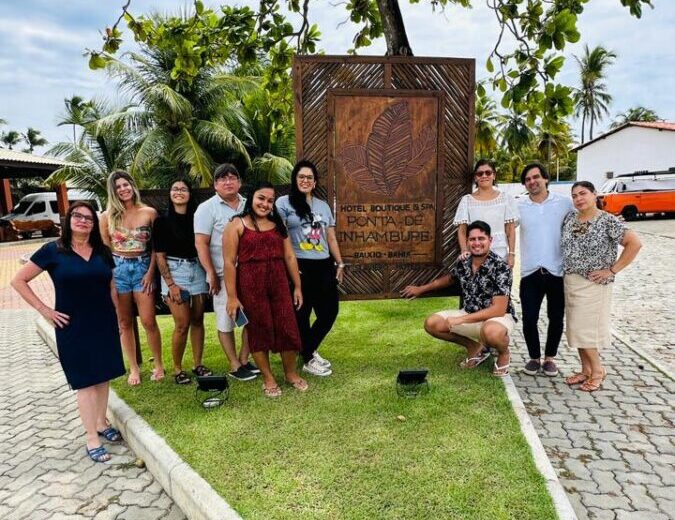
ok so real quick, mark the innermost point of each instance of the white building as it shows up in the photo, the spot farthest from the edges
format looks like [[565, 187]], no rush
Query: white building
[[633, 147]]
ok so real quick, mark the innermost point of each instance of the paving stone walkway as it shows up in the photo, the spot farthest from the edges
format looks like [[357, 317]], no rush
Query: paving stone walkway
[[643, 299], [44, 471], [614, 450]]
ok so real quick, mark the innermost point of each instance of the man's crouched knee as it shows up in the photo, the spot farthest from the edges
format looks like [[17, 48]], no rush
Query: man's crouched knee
[[435, 323]]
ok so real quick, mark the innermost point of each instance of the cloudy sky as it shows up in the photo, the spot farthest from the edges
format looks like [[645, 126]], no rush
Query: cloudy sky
[[42, 41]]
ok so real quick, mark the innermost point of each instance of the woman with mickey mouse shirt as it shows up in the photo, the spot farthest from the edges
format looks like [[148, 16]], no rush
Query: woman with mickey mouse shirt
[[311, 227]]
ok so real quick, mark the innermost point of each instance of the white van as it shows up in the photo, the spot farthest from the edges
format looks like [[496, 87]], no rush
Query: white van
[[43, 206]]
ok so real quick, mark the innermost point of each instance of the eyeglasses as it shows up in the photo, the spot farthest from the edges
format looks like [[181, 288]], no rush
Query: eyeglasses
[[179, 190], [305, 177], [228, 178], [484, 173], [82, 218]]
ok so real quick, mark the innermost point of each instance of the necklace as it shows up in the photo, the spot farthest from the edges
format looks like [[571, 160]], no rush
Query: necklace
[[581, 227]]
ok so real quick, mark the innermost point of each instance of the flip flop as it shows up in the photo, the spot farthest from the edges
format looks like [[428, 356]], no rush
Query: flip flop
[[157, 375], [272, 391], [500, 371], [300, 385], [473, 362]]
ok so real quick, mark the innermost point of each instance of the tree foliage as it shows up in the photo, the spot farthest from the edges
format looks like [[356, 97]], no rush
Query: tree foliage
[[638, 113], [591, 98], [104, 144], [524, 73]]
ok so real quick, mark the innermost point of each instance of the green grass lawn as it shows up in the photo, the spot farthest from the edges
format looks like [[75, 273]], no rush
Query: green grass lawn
[[340, 451]]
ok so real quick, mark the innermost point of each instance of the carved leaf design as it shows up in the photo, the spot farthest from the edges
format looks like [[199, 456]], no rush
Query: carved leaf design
[[390, 155], [355, 163], [423, 150], [389, 147]]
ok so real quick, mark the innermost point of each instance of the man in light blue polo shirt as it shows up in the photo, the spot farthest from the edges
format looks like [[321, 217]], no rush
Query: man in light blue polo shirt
[[541, 217], [210, 220]]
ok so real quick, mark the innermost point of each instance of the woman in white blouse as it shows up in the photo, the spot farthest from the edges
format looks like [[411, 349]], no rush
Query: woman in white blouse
[[492, 206]]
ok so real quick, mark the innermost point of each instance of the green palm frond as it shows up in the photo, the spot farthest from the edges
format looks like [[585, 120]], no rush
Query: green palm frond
[[271, 168], [152, 148], [217, 136], [188, 151]]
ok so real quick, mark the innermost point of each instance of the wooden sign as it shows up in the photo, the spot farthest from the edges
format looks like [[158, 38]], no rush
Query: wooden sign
[[367, 122], [386, 168]]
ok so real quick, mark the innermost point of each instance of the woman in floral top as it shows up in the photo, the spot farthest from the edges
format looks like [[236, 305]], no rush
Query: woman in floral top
[[590, 240]]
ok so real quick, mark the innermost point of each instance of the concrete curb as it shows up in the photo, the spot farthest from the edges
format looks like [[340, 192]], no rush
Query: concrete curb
[[196, 498], [561, 501], [643, 354]]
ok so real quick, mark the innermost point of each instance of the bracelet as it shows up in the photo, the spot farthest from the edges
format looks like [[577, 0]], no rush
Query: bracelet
[[612, 271], [512, 253], [341, 265], [171, 284]]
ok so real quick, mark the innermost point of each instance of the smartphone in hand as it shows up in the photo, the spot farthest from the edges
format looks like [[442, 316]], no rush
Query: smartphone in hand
[[240, 319]]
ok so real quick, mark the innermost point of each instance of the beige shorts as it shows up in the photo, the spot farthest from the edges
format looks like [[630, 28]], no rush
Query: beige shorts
[[472, 330], [223, 321]]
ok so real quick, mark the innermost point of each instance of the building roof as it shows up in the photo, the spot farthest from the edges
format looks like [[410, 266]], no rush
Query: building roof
[[11, 156], [18, 165], [655, 125]]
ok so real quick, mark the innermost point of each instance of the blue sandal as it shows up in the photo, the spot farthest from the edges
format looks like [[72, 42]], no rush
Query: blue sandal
[[112, 434], [98, 454]]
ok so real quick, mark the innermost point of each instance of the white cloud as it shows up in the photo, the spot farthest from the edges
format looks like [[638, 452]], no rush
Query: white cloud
[[41, 44]]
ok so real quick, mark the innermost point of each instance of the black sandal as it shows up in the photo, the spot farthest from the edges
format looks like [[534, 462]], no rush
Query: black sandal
[[181, 378], [201, 371]]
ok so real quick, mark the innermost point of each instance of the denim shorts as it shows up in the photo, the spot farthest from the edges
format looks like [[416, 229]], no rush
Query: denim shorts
[[129, 273], [187, 274]]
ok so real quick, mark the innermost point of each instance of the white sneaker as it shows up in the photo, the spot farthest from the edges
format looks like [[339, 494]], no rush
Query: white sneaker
[[321, 360], [314, 368]]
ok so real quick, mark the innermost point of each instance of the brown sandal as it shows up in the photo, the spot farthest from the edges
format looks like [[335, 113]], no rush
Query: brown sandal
[[593, 383], [577, 379]]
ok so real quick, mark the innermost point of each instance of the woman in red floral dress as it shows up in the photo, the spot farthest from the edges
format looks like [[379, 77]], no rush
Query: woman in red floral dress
[[258, 255]]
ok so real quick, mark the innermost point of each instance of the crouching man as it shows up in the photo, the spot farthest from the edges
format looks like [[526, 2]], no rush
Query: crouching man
[[487, 318]]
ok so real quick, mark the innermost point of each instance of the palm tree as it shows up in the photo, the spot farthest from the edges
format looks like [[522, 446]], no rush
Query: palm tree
[[183, 128], [591, 98], [76, 113], [272, 149], [516, 134], [105, 144], [554, 144], [11, 138], [516, 138], [638, 113], [487, 120], [33, 139]]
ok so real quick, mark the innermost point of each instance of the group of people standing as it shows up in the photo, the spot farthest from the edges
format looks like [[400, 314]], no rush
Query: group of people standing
[[243, 251], [569, 254]]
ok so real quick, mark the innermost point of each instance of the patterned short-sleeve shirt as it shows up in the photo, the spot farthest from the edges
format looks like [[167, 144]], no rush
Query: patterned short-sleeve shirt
[[592, 245], [493, 278]]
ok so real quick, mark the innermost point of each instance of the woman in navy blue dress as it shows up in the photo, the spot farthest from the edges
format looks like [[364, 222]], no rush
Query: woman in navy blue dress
[[87, 334]]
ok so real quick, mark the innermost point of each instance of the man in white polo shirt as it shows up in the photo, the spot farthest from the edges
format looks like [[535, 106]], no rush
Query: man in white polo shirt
[[541, 217], [210, 220]]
